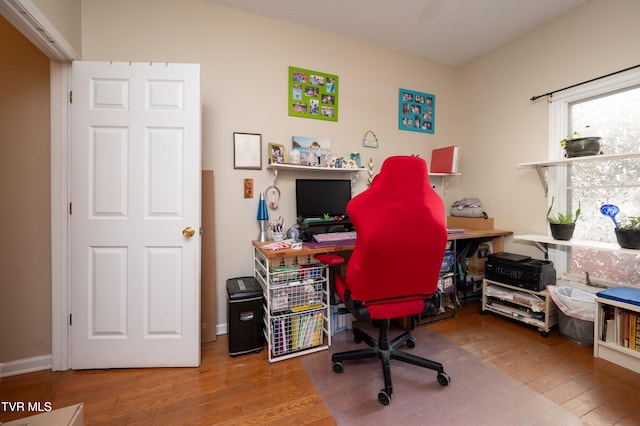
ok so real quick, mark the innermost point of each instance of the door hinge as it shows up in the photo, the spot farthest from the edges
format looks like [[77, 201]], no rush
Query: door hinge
[[70, 96], [70, 209], [70, 319]]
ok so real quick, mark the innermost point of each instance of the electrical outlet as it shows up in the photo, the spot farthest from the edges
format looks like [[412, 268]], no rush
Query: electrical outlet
[[248, 188]]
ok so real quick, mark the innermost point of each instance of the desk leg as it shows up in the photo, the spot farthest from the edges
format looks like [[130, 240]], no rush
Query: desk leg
[[498, 244]]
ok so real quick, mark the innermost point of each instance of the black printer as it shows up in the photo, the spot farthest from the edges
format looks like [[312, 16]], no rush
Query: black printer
[[520, 271]]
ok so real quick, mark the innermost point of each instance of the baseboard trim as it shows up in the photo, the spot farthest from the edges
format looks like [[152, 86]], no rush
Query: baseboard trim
[[221, 329], [26, 365]]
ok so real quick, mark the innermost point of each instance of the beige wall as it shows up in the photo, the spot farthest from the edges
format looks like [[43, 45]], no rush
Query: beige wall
[[25, 277], [65, 16], [245, 60], [483, 106], [501, 127]]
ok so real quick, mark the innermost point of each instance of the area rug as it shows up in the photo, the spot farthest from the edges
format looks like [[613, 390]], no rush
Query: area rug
[[478, 394]]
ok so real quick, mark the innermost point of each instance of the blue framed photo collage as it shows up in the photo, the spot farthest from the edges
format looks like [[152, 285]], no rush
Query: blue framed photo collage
[[416, 111]]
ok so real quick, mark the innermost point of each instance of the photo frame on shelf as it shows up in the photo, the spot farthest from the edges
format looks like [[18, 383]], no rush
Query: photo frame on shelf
[[416, 111], [313, 94], [312, 151], [277, 153], [247, 151]]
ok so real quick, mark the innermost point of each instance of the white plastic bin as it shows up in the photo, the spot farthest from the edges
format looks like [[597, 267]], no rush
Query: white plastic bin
[[576, 313]]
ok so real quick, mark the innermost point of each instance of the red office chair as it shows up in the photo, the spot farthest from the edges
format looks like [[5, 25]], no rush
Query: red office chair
[[394, 269]]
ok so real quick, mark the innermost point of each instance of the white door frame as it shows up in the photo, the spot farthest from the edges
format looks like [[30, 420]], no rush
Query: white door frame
[[25, 16]]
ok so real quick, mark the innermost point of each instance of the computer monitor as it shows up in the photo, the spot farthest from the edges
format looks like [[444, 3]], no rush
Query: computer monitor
[[317, 197]]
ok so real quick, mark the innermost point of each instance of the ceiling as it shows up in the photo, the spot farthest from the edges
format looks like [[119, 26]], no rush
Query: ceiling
[[448, 31]]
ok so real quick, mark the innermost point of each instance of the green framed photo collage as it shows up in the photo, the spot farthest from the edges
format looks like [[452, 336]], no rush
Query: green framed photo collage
[[313, 94]]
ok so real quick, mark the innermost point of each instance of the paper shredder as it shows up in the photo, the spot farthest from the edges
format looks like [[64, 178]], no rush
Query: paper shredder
[[244, 315]]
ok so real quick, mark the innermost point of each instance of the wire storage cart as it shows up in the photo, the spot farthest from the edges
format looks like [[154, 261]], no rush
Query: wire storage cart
[[296, 312], [448, 303]]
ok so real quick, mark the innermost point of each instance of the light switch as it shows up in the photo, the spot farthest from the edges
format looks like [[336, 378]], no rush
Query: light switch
[[248, 188]]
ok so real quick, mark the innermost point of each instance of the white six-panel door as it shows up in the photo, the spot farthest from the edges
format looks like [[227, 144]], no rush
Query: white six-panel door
[[135, 194]]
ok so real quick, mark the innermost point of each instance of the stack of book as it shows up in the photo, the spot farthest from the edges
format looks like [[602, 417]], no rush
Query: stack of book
[[297, 331], [444, 160], [622, 327]]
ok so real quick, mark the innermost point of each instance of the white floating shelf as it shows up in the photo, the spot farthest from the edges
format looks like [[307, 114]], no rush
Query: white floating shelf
[[278, 166], [565, 161], [545, 239]]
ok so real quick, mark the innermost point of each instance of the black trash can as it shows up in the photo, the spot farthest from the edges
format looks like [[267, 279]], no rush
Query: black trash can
[[244, 315]]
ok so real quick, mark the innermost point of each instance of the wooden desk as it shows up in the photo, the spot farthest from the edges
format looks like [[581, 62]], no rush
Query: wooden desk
[[495, 236], [274, 254]]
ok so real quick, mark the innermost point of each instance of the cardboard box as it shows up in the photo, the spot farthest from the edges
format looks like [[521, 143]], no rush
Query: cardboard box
[[477, 262], [67, 416], [469, 222]]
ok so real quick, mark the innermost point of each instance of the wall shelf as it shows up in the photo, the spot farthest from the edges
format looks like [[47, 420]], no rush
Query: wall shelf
[[275, 167], [445, 174], [543, 241], [445, 180], [298, 167], [541, 165]]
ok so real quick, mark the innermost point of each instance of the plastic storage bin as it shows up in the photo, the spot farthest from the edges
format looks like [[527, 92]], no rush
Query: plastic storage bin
[[244, 315], [576, 313]]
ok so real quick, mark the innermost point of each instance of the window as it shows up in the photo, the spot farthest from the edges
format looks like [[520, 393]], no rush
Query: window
[[611, 109]]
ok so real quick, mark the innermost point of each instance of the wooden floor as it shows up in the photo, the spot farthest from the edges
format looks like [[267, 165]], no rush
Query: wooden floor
[[247, 390]]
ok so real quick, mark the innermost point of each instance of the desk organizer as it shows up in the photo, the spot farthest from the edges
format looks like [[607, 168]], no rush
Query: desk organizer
[[296, 311]]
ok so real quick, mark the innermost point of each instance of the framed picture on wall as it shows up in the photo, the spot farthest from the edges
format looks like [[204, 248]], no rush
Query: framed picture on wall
[[416, 111], [313, 94], [247, 151]]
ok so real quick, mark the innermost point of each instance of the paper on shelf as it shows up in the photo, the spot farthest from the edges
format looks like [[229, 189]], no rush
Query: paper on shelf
[[285, 244], [535, 303]]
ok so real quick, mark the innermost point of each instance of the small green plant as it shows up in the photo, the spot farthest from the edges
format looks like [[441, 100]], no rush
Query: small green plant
[[566, 219], [575, 135], [631, 223]]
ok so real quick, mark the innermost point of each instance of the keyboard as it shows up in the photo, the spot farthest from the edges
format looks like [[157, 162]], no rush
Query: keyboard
[[335, 236]]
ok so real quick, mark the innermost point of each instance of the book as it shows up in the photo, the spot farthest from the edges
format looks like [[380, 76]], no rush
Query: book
[[632, 330], [444, 160], [455, 231], [637, 348]]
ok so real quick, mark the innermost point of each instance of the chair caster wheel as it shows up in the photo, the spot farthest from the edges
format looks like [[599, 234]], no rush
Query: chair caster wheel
[[338, 367], [444, 379], [383, 397], [411, 343]]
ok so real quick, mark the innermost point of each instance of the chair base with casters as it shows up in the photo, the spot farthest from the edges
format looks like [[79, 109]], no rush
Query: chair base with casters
[[384, 348]]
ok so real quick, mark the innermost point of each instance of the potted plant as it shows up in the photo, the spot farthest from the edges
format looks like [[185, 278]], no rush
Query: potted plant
[[562, 225], [628, 232], [576, 145]]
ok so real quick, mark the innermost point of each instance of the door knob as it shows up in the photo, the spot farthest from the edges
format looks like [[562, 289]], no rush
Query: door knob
[[188, 232]]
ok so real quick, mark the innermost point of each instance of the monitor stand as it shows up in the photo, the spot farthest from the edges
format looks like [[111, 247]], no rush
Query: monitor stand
[[311, 226]]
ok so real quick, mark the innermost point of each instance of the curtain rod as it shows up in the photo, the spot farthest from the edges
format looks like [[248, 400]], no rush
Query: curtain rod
[[584, 82]]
